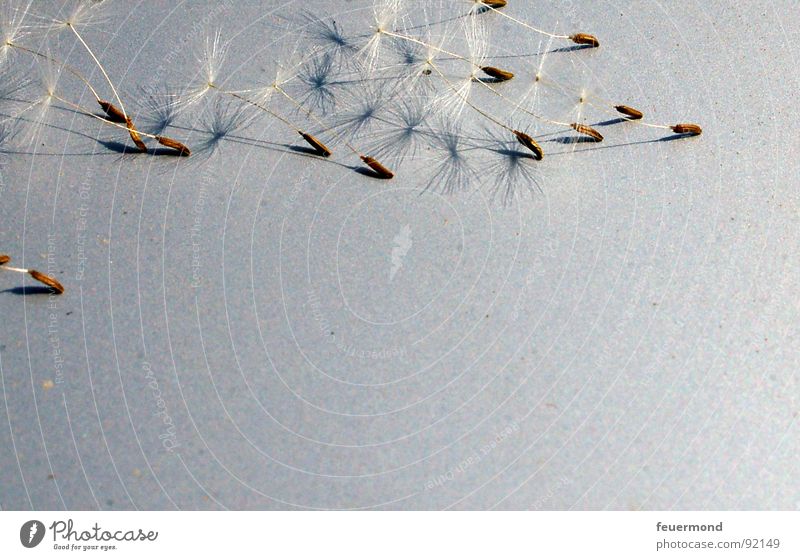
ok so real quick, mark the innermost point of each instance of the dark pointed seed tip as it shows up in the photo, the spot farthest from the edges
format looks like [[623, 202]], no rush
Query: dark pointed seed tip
[[585, 39], [380, 170], [527, 141], [630, 112], [47, 281], [588, 131], [181, 148], [689, 129], [4, 259], [321, 148], [497, 73], [113, 113]]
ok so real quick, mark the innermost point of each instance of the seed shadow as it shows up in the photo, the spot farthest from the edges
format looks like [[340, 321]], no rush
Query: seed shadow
[[611, 122], [367, 172], [572, 48], [608, 146], [490, 81], [568, 140], [29, 291], [127, 150]]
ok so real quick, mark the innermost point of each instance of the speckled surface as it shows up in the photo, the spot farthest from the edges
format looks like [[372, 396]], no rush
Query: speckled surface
[[254, 328]]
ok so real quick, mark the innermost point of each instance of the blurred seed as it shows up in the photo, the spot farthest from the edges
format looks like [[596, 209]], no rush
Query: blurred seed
[[530, 143], [588, 131], [585, 39], [47, 281], [496, 4], [317, 145], [497, 73], [377, 167], [688, 129], [4, 259], [630, 112]]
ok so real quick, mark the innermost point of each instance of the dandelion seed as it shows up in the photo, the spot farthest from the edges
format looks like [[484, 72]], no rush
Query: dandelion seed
[[323, 150], [527, 141], [629, 112], [688, 129], [45, 279], [588, 131], [585, 39], [113, 113], [497, 73], [175, 145], [494, 4], [380, 170]]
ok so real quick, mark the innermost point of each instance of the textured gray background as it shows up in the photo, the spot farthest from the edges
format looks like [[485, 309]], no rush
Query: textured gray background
[[623, 335]]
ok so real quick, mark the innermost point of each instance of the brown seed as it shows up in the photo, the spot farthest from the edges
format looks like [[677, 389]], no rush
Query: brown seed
[[135, 136], [114, 114], [317, 145], [4, 259], [588, 131], [585, 39], [688, 129], [497, 73], [630, 112], [496, 4], [47, 281], [182, 149], [531, 144], [381, 171]]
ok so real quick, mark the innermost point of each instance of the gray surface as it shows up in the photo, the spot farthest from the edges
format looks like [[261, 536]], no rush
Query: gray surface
[[622, 335]]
